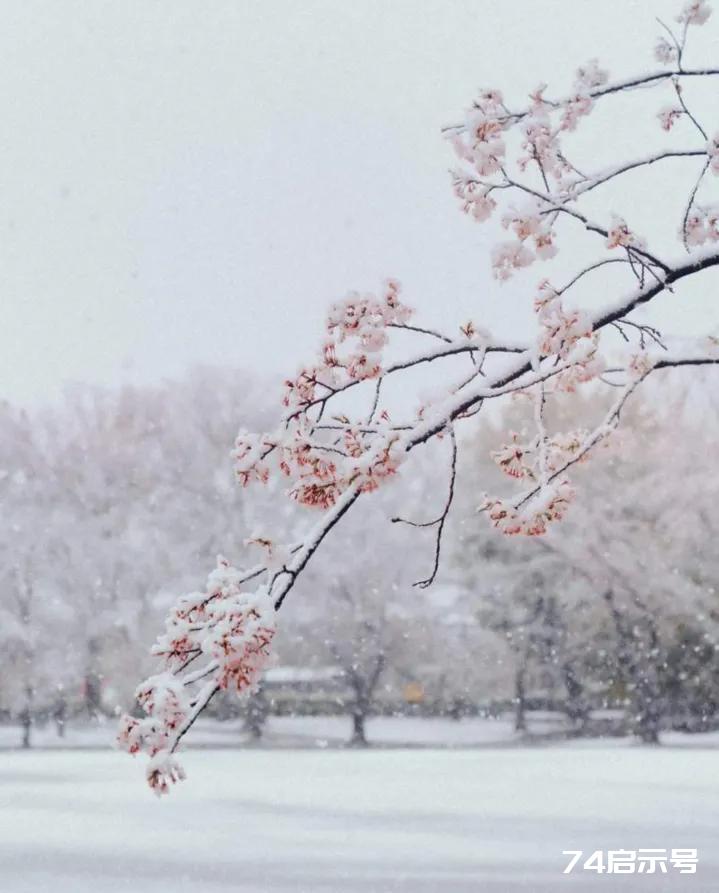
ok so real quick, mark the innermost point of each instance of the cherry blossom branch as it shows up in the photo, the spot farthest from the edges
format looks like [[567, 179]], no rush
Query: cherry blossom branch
[[642, 80], [329, 463]]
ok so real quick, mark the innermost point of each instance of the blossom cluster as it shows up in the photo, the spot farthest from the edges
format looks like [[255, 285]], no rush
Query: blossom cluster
[[702, 225], [621, 236], [695, 12], [319, 471], [166, 704], [668, 116], [567, 335], [480, 143], [233, 630], [529, 460], [532, 516], [319, 477], [321, 464], [530, 227], [357, 329]]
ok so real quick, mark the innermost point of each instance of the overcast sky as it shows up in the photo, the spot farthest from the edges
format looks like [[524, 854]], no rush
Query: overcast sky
[[186, 182]]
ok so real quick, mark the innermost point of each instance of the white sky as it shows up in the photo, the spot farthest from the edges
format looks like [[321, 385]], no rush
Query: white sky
[[186, 182]]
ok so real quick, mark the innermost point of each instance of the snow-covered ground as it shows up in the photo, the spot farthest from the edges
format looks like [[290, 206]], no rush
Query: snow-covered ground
[[493, 819]]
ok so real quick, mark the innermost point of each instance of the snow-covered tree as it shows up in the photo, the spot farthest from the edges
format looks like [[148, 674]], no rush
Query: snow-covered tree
[[619, 597], [362, 614]]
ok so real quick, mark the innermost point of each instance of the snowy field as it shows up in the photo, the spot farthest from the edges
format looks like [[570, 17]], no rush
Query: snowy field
[[492, 819]]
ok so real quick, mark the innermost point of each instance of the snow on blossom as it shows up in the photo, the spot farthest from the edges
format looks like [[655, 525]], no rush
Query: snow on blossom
[[164, 697], [248, 455], [240, 630], [476, 199], [525, 222], [320, 473], [560, 329], [701, 225], [540, 142], [591, 75], [620, 236], [668, 116], [639, 365], [695, 230], [528, 223], [318, 469], [563, 447], [532, 516], [472, 332], [576, 107], [275, 555], [230, 625], [696, 12], [711, 222], [362, 320], [510, 458], [544, 244], [665, 52], [507, 257], [522, 460], [162, 771], [481, 142], [364, 316], [586, 364], [302, 391]]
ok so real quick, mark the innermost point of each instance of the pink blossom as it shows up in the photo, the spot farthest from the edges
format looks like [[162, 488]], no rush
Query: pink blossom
[[508, 257], [639, 365], [665, 52], [531, 518], [578, 106], [162, 771], [510, 458], [475, 198], [695, 229], [560, 329], [248, 455], [591, 75], [668, 116], [544, 243], [620, 236], [696, 12]]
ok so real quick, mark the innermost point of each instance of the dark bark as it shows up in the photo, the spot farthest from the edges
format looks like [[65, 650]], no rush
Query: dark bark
[[26, 718], [256, 716], [520, 703], [359, 738], [637, 658]]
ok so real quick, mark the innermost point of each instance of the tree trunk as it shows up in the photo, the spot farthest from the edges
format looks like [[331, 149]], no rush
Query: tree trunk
[[359, 738], [520, 719], [577, 709], [257, 710], [60, 716], [648, 706], [26, 718]]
